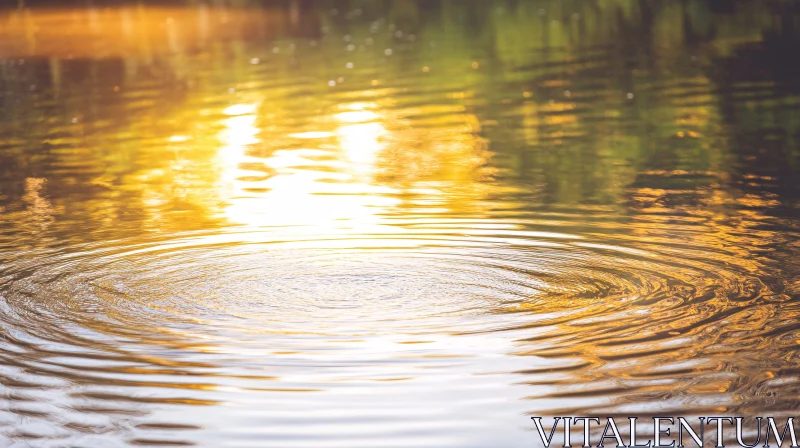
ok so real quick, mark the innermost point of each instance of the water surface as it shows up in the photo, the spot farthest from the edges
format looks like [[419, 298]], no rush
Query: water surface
[[394, 223]]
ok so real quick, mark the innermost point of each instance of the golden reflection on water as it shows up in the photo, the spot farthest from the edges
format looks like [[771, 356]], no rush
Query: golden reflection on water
[[344, 175], [319, 188], [285, 225]]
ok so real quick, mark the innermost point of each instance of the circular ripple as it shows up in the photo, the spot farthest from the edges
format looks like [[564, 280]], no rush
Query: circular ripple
[[197, 319], [415, 284]]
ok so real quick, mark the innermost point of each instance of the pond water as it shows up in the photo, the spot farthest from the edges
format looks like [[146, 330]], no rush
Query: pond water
[[394, 223]]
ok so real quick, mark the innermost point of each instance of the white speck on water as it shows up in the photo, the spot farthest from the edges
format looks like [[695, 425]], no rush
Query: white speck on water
[[231, 90], [255, 61], [567, 93], [349, 65], [332, 83], [74, 119], [351, 47], [388, 52], [630, 95]]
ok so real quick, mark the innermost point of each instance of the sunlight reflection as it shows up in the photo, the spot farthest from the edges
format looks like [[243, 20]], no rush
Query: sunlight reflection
[[318, 190], [361, 141], [239, 132]]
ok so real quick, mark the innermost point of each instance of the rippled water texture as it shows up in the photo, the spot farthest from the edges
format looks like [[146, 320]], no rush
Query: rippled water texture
[[394, 223]]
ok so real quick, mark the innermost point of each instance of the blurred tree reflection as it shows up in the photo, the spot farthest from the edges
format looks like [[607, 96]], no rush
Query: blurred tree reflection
[[578, 100]]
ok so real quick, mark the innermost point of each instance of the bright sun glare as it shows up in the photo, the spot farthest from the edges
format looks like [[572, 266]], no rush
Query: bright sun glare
[[344, 199]]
